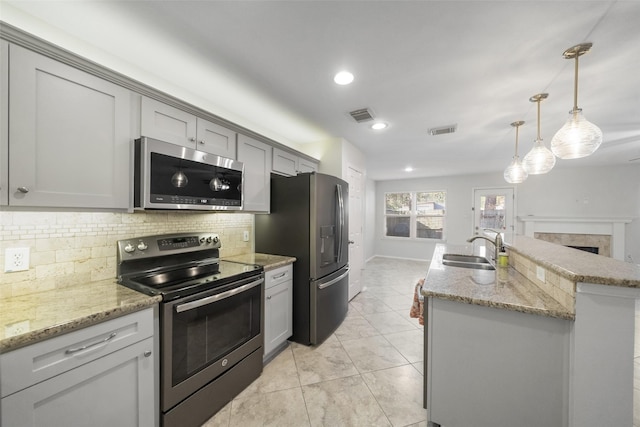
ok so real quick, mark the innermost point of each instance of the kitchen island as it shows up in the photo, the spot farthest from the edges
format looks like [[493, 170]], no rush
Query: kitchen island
[[545, 341]]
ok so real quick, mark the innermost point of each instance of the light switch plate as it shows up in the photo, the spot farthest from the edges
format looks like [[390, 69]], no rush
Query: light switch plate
[[540, 273], [245, 236], [16, 259]]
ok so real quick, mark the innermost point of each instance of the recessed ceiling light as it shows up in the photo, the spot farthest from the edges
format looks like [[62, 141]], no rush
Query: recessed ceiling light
[[379, 126], [343, 78], [408, 169]]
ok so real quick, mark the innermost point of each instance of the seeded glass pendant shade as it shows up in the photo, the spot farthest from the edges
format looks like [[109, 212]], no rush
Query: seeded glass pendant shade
[[515, 173], [540, 159], [578, 137]]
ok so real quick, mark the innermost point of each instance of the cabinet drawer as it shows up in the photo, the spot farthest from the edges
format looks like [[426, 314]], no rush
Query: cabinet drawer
[[277, 276], [115, 390], [29, 365]]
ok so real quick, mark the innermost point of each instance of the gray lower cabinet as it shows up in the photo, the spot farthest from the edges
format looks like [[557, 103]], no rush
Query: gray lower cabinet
[[69, 135], [103, 375], [488, 366], [256, 157], [170, 124], [278, 309], [287, 163]]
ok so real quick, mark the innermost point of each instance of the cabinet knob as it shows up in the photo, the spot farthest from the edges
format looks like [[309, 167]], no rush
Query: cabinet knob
[[24, 190], [147, 353], [192, 139], [269, 297], [201, 142]]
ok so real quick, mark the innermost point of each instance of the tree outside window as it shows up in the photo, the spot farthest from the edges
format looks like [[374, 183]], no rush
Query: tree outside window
[[418, 215]]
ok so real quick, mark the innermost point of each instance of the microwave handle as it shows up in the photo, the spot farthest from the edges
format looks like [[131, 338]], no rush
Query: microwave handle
[[213, 298]]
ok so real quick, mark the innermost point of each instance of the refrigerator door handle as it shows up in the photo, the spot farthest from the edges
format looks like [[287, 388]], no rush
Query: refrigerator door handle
[[334, 281], [341, 214]]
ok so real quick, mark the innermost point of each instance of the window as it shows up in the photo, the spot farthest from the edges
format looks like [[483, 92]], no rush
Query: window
[[415, 214]]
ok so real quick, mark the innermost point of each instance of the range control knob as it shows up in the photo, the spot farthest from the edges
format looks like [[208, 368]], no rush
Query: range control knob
[[209, 239], [129, 248], [215, 239], [202, 240], [142, 246]]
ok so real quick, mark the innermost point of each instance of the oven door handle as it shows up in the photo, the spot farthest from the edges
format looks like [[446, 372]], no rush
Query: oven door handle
[[213, 298]]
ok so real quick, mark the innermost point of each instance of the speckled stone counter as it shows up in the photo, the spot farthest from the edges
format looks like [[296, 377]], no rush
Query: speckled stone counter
[[269, 262], [501, 288], [46, 314], [576, 265]]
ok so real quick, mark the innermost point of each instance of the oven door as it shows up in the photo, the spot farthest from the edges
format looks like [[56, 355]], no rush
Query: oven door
[[206, 334]]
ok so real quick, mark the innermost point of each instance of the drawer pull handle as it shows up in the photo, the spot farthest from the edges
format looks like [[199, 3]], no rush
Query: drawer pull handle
[[147, 353], [279, 275], [84, 347]]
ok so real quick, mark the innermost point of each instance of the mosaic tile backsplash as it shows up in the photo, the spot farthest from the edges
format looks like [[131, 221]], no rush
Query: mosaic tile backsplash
[[80, 247]]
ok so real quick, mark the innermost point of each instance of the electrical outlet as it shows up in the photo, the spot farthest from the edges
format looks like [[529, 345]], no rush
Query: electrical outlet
[[540, 273], [16, 259], [16, 328], [245, 236]]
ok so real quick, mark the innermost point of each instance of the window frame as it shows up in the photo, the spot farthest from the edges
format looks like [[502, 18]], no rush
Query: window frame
[[413, 216]]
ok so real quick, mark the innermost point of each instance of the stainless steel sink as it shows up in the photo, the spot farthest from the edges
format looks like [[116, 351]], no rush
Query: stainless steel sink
[[467, 261]]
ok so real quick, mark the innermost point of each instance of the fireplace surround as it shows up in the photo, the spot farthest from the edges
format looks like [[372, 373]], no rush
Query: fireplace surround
[[607, 234]]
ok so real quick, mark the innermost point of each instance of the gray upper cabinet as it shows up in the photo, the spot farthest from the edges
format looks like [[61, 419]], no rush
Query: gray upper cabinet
[[288, 163], [256, 157], [4, 122], [170, 124], [69, 135]]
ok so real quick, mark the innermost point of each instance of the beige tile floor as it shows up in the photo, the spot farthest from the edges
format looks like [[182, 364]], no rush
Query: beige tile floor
[[368, 373]]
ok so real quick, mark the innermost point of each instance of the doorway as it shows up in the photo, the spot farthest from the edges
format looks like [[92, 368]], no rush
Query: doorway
[[493, 208], [356, 249]]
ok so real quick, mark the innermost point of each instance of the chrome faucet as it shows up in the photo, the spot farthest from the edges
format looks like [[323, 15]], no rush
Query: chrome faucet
[[497, 242]]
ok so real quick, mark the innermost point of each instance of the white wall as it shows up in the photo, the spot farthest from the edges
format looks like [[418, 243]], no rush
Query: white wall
[[612, 191]]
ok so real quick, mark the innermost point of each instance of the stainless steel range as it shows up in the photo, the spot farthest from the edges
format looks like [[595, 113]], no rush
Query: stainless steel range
[[211, 320]]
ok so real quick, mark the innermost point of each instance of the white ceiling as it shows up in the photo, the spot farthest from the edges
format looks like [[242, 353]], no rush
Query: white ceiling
[[268, 65]]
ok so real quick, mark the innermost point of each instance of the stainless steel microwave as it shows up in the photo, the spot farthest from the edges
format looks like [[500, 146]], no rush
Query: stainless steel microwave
[[170, 176]]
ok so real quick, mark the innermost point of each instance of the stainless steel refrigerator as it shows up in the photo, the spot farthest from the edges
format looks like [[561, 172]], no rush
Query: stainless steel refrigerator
[[309, 220]]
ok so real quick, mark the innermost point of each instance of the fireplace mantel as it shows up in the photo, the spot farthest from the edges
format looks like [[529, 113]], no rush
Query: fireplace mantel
[[613, 227]]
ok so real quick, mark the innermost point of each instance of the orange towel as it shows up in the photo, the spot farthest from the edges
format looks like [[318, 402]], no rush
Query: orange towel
[[417, 308]]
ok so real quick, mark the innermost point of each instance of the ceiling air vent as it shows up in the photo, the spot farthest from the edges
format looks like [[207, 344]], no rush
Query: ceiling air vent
[[442, 130], [362, 115]]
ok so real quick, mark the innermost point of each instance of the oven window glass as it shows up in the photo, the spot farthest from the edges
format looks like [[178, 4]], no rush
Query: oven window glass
[[176, 177], [205, 334]]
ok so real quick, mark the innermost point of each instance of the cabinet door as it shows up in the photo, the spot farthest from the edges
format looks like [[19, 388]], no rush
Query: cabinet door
[[115, 390], [4, 122], [166, 123], [306, 166], [69, 135], [256, 157], [284, 162], [278, 324], [216, 139]]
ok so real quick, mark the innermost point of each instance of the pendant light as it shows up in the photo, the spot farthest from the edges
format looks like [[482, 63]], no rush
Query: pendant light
[[515, 173], [540, 159], [578, 137]]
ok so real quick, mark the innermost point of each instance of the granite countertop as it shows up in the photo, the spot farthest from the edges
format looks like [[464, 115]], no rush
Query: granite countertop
[[269, 262], [63, 310], [576, 265], [501, 288]]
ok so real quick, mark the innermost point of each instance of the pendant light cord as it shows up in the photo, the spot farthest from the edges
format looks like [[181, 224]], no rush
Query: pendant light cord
[[538, 101], [575, 86]]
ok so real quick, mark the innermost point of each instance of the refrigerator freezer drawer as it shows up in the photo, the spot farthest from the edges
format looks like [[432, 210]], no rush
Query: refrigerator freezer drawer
[[328, 304]]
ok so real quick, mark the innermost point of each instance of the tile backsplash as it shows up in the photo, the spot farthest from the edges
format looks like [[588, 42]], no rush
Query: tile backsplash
[[68, 248]]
